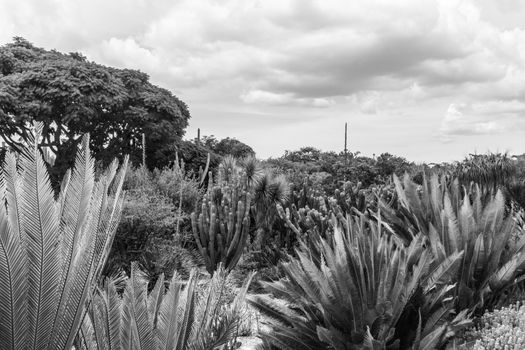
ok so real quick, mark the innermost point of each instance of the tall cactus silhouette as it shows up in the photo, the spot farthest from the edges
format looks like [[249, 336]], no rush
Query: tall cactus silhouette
[[221, 224]]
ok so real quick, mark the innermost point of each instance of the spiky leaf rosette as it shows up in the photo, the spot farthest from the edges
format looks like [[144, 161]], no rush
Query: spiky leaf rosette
[[51, 251], [176, 317], [349, 291], [472, 220]]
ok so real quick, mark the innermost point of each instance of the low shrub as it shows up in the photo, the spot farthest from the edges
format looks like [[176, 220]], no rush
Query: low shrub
[[501, 329], [146, 230], [179, 186]]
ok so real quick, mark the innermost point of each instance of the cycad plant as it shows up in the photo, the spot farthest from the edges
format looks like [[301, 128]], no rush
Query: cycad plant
[[177, 318], [357, 289], [488, 170], [52, 250], [454, 219]]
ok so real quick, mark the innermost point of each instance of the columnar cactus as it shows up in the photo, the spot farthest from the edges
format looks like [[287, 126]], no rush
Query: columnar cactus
[[221, 226]]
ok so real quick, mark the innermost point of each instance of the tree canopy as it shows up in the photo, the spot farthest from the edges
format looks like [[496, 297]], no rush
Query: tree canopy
[[72, 96], [226, 146]]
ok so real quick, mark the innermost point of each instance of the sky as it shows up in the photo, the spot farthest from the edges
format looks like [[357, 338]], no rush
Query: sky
[[427, 80]]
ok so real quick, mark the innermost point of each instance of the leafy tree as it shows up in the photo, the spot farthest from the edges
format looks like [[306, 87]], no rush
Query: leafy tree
[[388, 164], [71, 96], [226, 146], [195, 156], [234, 147], [305, 154]]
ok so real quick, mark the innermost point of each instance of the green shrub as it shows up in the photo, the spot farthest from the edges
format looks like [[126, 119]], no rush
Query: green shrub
[[153, 229], [179, 186], [139, 178]]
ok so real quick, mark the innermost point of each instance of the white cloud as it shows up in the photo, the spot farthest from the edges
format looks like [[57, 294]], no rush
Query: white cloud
[[270, 98], [481, 118], [456, 64]]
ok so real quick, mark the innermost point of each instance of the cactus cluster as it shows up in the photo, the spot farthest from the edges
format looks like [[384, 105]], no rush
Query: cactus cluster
[[312, 212], [221, 224]]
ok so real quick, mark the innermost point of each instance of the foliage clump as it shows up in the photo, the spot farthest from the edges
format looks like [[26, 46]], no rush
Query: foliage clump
[[360, 288], [71, 96], [500, 329]]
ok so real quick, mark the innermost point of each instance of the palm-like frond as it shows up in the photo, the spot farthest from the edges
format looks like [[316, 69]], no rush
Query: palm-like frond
[[348, 291], [172, 317], [467, 219], [51, 250]]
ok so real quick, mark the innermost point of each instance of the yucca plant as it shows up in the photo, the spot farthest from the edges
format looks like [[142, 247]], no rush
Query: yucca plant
[[177, 318], [269, 191], [52, 251], [351, 293], [454, 219]]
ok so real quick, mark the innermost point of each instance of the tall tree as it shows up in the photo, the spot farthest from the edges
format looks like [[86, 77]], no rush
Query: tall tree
[[72, 96]]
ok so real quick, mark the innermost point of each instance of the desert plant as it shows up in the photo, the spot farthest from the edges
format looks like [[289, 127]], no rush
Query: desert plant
[[455, 218], [174, 319], [52, 251], [269, 191], [351, 290], [221, 224], [488, 170]]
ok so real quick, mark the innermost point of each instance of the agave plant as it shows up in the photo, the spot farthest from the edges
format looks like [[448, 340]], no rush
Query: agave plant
[[174, 319], [352, 292], [51, 251], [456, 218]]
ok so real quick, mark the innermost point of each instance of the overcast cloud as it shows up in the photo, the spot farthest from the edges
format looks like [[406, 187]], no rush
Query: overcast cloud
[[428, 80]]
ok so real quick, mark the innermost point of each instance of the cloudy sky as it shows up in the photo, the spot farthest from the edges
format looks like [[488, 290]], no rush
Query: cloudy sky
[[428, 80]]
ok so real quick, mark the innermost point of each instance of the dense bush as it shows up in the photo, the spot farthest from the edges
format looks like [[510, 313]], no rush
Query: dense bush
[[154, 230], [182, 188]]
